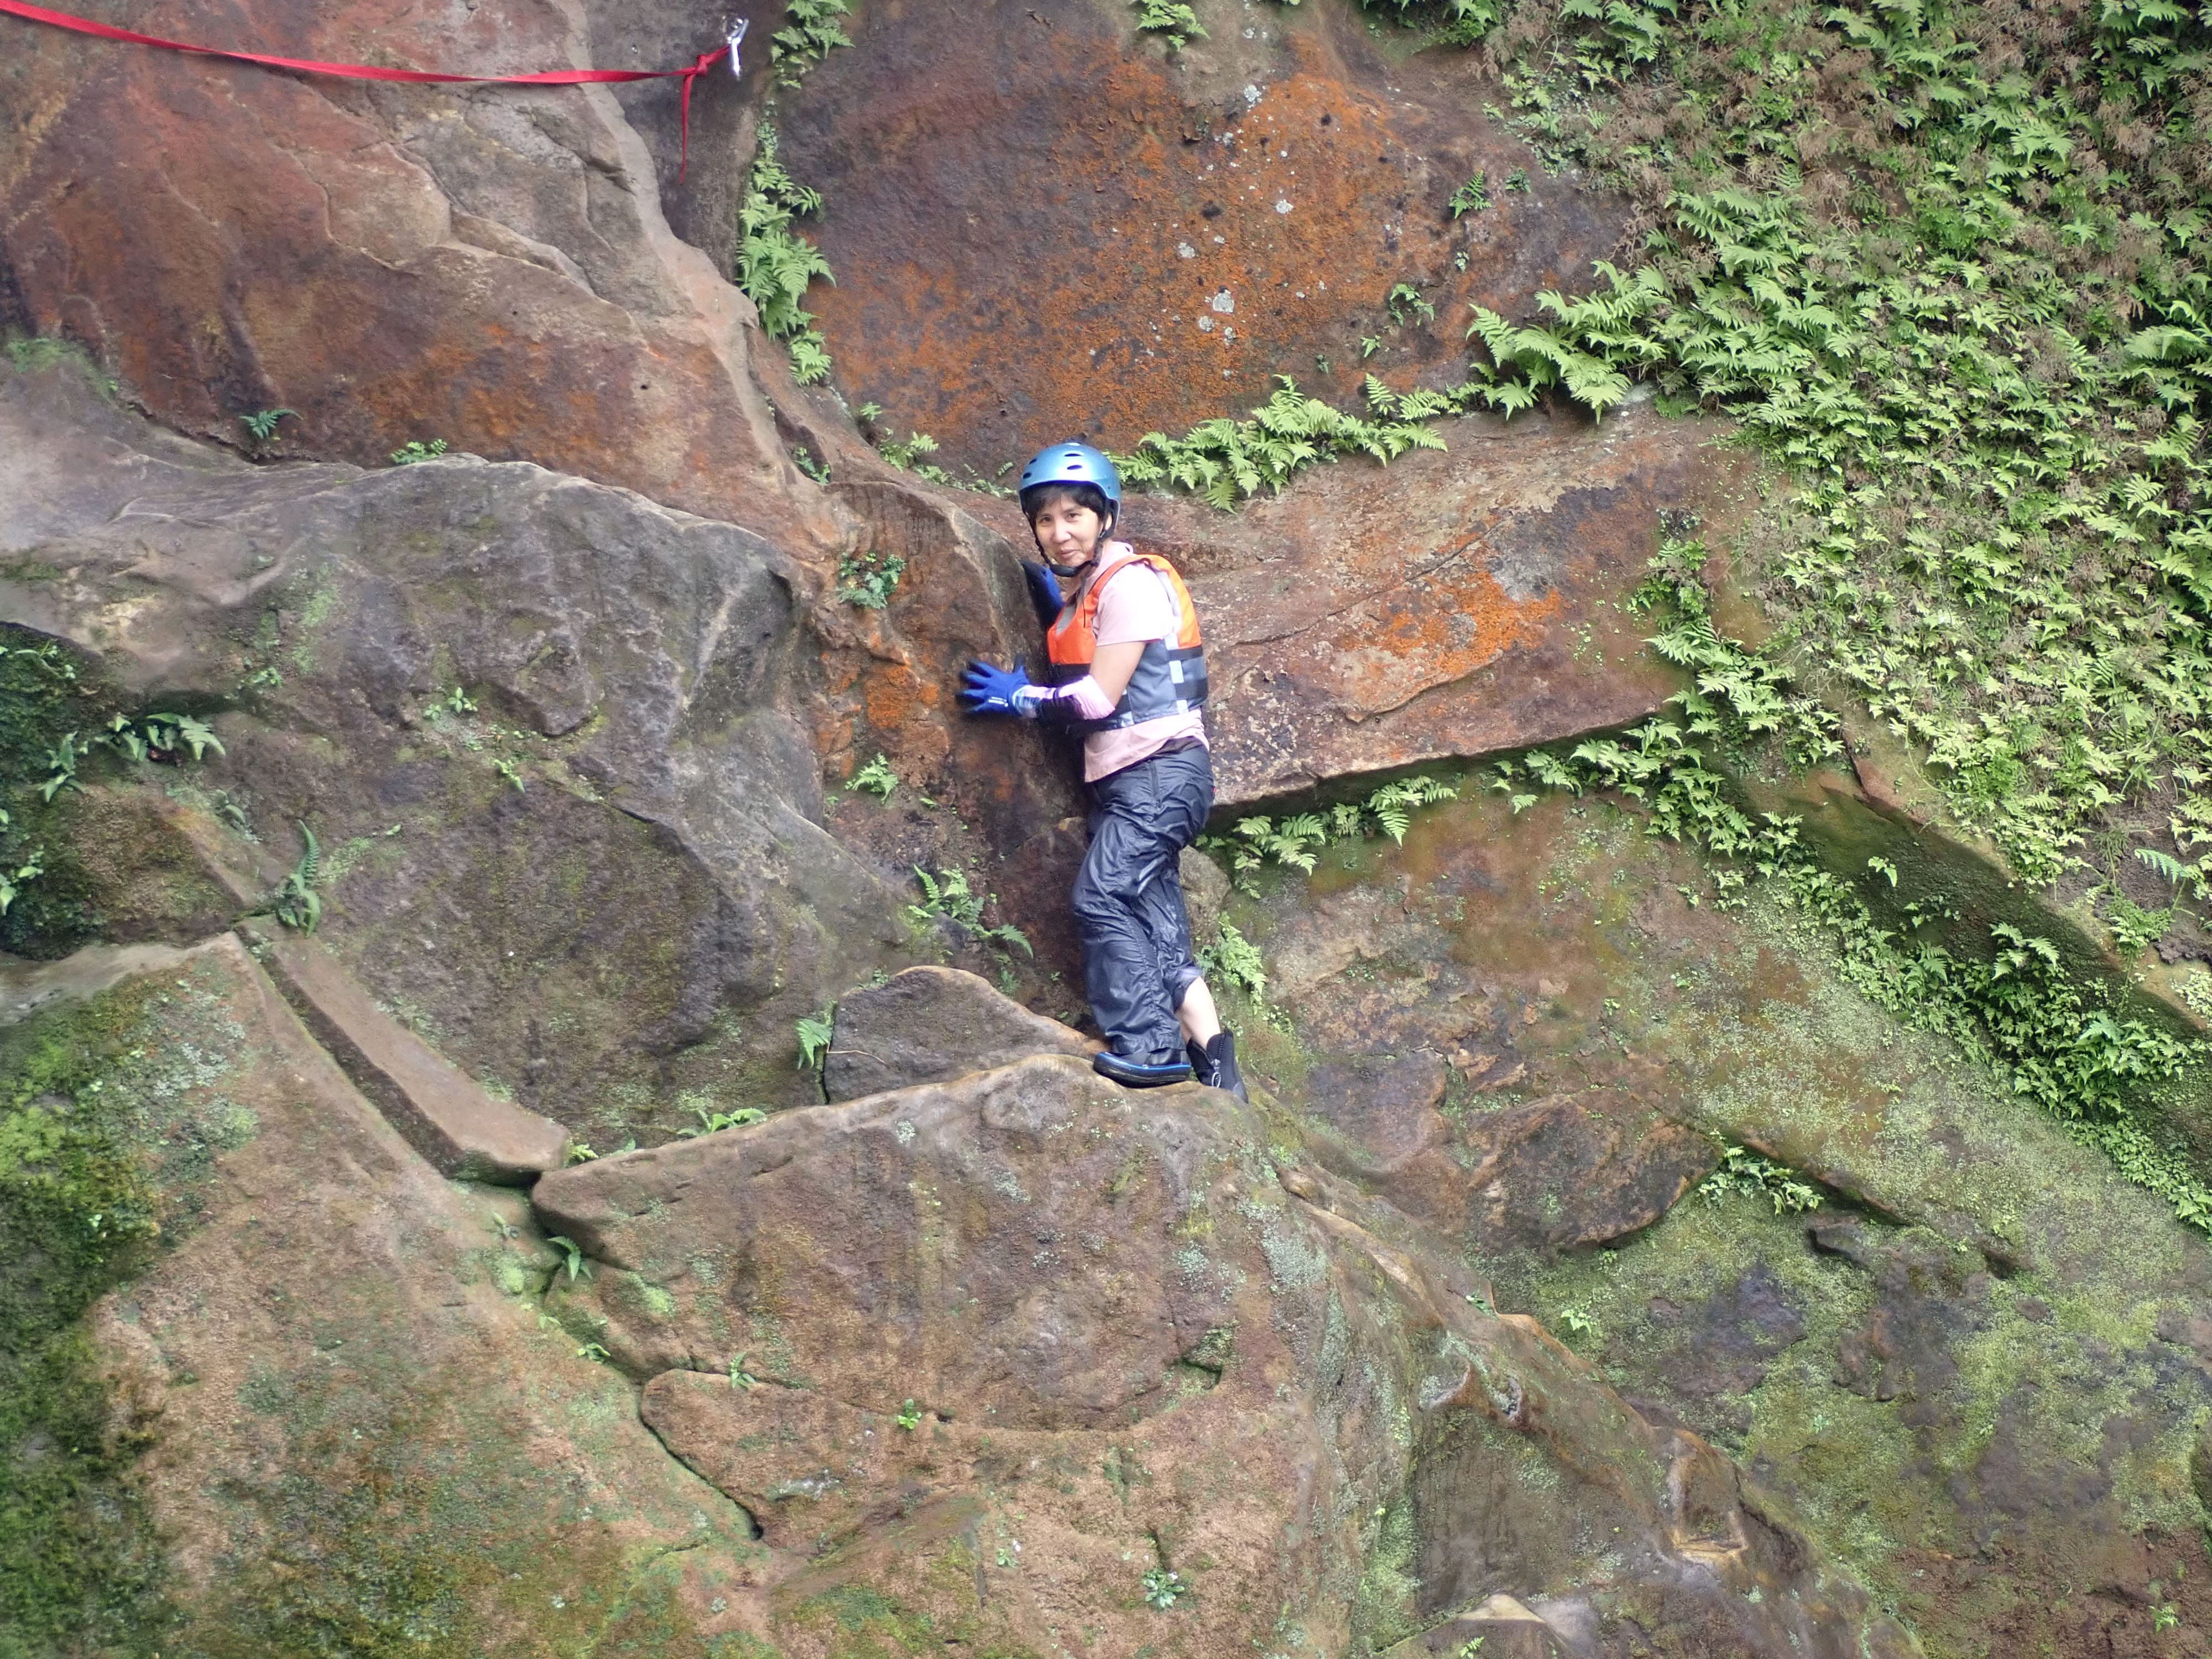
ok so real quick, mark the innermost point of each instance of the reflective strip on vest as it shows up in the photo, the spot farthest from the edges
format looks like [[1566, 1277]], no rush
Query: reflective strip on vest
[[1170, 676]]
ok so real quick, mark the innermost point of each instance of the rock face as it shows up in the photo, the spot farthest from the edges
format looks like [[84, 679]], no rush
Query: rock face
[[1450, 606], [360, 1433], [1182, 227], [1073, 1335], [489, 267], [929, 1025], [996, 1357], [444, 1113], [558, 726], [1520, 1030]]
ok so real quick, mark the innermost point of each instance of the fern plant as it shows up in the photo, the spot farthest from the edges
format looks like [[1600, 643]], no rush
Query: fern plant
[[1757, 1177], [876, 777], [776, 265], [1234, 960], [815, 1034], [713, 1122], [296, 904], [867, 579], [811, 31], [947, 896], [1175, 23], [1295, 840], [1227, 460]]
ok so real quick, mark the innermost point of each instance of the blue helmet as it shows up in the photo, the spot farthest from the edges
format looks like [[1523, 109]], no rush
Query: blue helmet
[[1073, 463]]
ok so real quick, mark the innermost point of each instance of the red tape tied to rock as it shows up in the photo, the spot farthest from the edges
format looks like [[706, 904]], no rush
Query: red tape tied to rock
[[62, 20]]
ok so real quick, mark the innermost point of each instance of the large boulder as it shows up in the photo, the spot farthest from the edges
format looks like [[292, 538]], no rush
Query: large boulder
[[927, 1024], [553, 739], [352, 1431], [1071, 1339]]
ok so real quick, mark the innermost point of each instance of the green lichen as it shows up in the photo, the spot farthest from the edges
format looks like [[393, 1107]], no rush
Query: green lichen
[[107, 1135]]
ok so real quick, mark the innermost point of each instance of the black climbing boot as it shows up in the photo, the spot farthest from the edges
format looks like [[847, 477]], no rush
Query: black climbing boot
[[1215, 1065], [1137, 1073]]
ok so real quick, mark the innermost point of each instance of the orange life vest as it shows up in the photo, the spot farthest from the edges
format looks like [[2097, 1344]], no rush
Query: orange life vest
[[1170, 676]]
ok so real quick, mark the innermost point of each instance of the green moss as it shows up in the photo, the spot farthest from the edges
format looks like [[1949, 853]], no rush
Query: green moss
[[100, 1154], [39, 353], [1387, 1607]]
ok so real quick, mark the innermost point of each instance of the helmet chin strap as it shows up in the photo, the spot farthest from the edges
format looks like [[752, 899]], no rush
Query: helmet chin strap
[[1065, 571]]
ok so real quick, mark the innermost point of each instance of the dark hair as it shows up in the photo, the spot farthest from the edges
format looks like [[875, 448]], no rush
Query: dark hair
[[1037, 497]]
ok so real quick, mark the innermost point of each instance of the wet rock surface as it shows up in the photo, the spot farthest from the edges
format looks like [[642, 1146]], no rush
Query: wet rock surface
[[1950, 1369], [1444, 1338], [356, 1423], [1072, 1333], [1185, 226], [490, 268]]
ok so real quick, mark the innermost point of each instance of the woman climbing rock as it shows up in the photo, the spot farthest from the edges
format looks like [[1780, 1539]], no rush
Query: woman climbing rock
[[1129, 675]]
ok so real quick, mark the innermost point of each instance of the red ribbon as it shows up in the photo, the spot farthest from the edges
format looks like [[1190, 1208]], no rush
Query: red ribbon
[[368, 72]]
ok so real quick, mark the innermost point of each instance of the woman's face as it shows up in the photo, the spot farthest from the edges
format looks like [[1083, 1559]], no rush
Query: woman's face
[[1067, 533]]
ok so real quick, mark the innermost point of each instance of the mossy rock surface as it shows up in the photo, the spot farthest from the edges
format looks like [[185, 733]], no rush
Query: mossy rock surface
[[1978, 1371]]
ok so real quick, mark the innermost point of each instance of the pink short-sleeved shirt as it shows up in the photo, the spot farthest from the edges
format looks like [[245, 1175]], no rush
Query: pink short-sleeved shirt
[[1136, 605]]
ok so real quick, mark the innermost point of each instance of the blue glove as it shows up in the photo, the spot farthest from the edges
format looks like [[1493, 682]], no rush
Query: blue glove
[[989, 690], [1044, 592]]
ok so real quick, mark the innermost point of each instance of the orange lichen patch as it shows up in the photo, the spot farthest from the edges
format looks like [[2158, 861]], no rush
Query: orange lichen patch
[[1382, 654], [1166, 239]]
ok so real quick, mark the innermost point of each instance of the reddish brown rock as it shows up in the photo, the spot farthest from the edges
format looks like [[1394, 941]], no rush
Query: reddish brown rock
[[1133, 241], [986, 1353], [490, 266]]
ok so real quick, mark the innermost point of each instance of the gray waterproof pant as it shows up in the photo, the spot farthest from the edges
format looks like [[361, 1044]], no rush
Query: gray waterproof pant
[[1137, 959]]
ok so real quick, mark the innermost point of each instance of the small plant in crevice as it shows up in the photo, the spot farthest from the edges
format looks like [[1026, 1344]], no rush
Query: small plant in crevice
[[815, 1033], [18, 872], [909, 1417], [1163, 1589], [740, 1378], [811, 33], [1297, 840], [415, 452], [62, 759], [1228, 460], [907, 454], [1174, 22], [776, 265], [875, 778], [2195, 991], [573, 1258], [948, 897], [1473, 196], [163, 737], [1749, 1173], [261, 425], [868, 579], [713, 1122], [296, 904], [803, 457], [2134, 928], [1233, 960], [1405, 302]]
